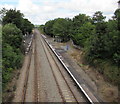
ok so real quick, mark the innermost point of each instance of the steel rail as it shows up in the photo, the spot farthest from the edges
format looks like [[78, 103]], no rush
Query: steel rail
[[60, 92], [62, 74], [78, 84], [27, 73], [36, 71]]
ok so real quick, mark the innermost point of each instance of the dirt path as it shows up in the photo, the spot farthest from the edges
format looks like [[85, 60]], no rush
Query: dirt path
[[20, 82]]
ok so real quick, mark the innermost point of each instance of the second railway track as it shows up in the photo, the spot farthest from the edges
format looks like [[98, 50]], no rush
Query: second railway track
[[31, 76]]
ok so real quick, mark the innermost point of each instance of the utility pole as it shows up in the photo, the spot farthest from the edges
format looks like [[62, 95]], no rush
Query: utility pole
[[119, 4], [118, 65], [118, 15]]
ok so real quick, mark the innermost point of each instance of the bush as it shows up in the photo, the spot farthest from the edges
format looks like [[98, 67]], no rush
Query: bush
[[11, 53]]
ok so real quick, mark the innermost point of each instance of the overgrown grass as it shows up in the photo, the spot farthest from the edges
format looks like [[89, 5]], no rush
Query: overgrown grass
[[110, 71]]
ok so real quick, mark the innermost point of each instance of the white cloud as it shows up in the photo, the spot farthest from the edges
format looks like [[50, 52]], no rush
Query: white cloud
[[40, 11], [91, 6], [7, 6]]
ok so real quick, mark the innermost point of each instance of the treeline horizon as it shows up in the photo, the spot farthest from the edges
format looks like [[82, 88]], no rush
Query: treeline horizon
[[98, 39], [14, 27]]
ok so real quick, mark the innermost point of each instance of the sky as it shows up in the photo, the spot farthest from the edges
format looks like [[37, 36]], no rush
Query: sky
[[41, 11]]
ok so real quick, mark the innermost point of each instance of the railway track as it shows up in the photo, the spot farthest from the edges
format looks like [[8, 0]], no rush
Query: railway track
[[31, 67], [88, 94], [26, 78], [54, 65], [33, 90], [36, 86]]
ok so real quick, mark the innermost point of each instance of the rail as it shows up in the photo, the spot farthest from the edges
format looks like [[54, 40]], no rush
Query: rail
[[78, 84]]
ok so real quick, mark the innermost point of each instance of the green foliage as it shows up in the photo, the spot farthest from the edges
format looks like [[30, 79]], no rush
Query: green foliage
[[0, 54], [82, 29], [98, 20], [85, 32], [99, 39], [117, 17], [41, 28], [27, 26], [104, 45], [11, 53], [96, 46], [11, 60], [16, 17], [116, 58], [12, 35], [98, 17], [2, 14], [61, 28], [14, 26], [49, 27], [78, 21]]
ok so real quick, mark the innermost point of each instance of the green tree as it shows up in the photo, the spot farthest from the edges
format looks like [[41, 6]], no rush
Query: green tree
[[85, 32], [27, 26], [2, 14], [117, 53], [13, 16], [99, 21], [11, 53], [42, 28], [117, 17], [61, 28], [111, 38], [95, 45], [16, 17], [12, 35], [113, 46], [78, 21], [11, 60], [49, 27], [98, 17]]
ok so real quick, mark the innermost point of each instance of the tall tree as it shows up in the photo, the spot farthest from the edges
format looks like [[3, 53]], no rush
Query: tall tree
[[16, 17], [99, 21], [117, 16], [98, 17], [96, 43], [48, 29], [13, 16], [27, 26], [2, 14], [85, 32], [61, 28], [78, 21], [11, 53], [12, 35]]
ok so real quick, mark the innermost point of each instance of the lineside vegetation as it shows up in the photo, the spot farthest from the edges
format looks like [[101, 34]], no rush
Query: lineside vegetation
[[98, 39], [14, 26]]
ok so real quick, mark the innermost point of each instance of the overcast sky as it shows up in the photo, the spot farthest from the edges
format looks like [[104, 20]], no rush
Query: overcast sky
[[40, 11]]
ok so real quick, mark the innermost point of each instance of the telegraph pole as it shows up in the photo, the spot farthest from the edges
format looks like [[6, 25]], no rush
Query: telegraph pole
[[118, 65], [119, 4]]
